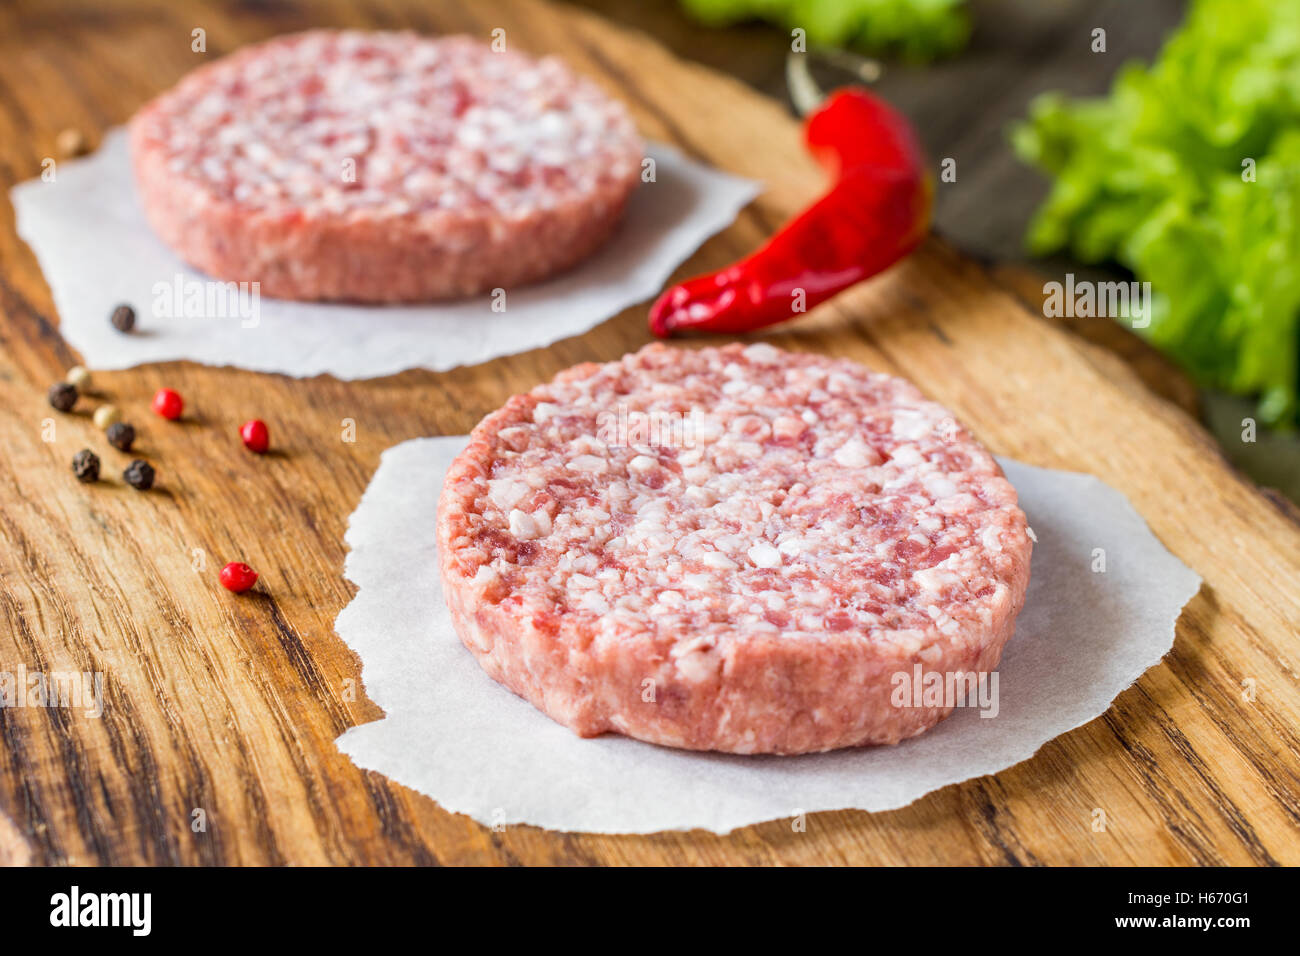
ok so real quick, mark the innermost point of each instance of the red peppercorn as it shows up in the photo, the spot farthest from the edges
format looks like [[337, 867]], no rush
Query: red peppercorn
[[255, 436], [168, 404], [238, 577]]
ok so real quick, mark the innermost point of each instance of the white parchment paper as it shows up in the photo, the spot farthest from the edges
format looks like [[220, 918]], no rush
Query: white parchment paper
[[455, 735], [96, 250]]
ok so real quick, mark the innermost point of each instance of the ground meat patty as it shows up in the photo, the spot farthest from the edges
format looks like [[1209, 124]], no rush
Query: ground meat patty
[[383, 167], [731, 549]]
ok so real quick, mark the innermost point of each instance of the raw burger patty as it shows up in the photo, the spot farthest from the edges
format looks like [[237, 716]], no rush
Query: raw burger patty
[[753, 582], [383, 167]]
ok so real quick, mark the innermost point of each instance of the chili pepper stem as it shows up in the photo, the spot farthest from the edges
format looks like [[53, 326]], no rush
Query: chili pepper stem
[[805, 92], [876, 211]]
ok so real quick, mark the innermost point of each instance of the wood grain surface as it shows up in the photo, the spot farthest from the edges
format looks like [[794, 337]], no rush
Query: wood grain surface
[[230, 705]]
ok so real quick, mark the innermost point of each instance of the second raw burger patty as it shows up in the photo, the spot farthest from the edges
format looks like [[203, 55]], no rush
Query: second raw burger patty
[[383, 167], [731, 549]]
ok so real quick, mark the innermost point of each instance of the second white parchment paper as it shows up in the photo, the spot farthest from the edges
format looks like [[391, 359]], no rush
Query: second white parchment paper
[[96, 251]]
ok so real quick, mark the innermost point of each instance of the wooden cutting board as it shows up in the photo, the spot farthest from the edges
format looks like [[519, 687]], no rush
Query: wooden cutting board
[[230, 705]]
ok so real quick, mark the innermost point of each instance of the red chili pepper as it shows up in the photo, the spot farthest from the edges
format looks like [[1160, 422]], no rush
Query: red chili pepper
[[875, 213]]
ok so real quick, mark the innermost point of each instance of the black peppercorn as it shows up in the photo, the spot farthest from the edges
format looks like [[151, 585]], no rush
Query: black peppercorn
[[139, 475], [62, 396], [85, 465], [124, 318], [120, 435]]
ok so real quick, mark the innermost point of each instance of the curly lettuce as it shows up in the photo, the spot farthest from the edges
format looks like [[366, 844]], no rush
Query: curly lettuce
[[1188, 174], [914, 29]]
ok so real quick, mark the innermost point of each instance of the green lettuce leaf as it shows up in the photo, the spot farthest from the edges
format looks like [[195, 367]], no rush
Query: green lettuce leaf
[[915, 29], [1155, 177]]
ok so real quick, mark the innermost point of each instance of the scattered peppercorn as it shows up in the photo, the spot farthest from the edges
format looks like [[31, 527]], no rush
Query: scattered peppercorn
[[238, 577], [62, 396], [168, 404], [107, 415], [123, 318], [85, 465], [139, 475], [78, 376], [255, 435], [121, 436]]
